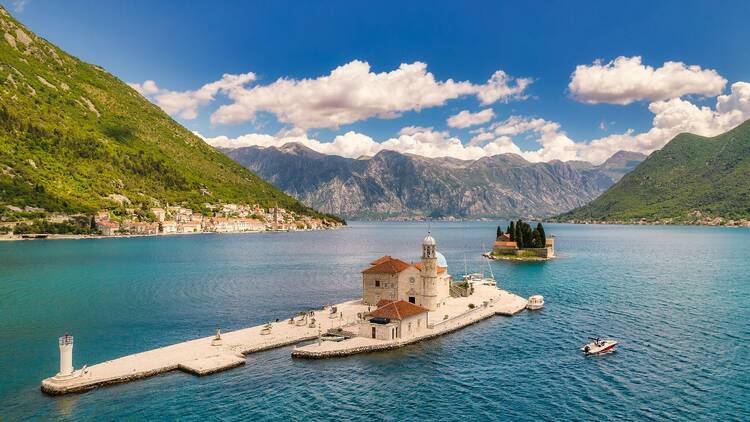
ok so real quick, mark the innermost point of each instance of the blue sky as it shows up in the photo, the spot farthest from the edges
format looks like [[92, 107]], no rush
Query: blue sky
[[182, 46]]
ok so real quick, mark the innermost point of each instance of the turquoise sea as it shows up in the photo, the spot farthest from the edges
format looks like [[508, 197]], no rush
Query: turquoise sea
[[677, 298]]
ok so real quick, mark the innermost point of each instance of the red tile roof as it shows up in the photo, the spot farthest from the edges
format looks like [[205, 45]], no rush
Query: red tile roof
[[383, 302], [381, 260], [439, 269], [387, 265], [397, 310]]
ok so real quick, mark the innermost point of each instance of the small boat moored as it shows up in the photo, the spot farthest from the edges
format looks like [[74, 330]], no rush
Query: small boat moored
[[599, 346], [535, 302]]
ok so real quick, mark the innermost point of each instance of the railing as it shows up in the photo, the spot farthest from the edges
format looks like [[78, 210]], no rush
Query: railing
[[65, 340]]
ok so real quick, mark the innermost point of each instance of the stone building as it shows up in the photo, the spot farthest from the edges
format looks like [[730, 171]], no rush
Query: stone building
[[426, 283], [394, 320]]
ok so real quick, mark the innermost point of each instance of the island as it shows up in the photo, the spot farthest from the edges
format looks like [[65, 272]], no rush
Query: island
[[520, 243], [402, 303]]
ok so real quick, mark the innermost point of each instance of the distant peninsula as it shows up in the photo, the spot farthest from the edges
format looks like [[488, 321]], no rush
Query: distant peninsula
[[692, 180]]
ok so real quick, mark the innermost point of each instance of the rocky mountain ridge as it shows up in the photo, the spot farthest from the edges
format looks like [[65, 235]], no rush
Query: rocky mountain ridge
[[395, 185]]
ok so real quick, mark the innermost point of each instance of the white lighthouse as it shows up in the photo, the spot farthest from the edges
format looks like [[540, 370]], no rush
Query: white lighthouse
[[66, 356]]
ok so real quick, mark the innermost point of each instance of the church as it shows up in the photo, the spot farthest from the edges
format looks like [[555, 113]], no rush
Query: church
[[426, 283]]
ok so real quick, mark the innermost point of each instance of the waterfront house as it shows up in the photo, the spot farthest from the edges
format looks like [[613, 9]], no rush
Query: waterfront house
[[169, 227], [189, 227], [107, 227], [394, 319], [160, 214], [139, 227]]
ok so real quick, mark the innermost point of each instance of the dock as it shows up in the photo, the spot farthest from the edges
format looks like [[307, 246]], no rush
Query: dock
[[208, 355]]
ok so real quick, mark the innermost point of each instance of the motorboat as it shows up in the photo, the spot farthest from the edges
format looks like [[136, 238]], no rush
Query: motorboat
[[535, 302], [599, 346]]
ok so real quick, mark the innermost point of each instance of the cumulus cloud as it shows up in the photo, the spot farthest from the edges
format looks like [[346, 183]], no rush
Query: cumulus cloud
[[502, 87], [626, 80], [670, 117], [410, 140], [466, 118], [349, 93], [186, 103]]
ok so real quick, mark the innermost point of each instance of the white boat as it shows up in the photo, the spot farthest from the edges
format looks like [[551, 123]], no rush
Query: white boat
[[535, 302], [479, 278], [599, 346]]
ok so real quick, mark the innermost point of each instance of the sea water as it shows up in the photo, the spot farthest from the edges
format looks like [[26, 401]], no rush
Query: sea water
[[677, 299]]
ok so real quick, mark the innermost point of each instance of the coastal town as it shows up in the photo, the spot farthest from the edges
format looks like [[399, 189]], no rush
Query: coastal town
[[167, 220], [402, 303]]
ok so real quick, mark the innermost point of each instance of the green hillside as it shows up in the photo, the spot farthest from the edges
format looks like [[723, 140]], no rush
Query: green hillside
[[693, 179], [74, 138]]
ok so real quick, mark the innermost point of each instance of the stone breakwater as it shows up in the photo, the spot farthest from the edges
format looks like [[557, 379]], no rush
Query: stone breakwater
[[208, 355]]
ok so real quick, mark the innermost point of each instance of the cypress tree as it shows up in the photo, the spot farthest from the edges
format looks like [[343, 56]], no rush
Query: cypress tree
[[519, 233], [499, 232], [535, 239], [542, 235], [527, 236], [512, 231]]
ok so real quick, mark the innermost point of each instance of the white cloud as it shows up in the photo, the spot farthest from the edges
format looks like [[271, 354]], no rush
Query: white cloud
[[410, 140], [146, 88], [501, 87], [466, 118], [19, 5], [349, 93], [186, 103], [670, 117], [625, 80]]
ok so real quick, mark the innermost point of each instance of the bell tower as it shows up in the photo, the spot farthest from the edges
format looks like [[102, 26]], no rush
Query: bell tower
[[429, 273]]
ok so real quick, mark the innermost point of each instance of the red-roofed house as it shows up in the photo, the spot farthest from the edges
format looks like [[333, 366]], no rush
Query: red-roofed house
[[394, 319]]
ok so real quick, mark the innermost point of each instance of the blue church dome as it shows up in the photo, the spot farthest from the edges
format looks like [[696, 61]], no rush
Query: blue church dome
[[441, 262]]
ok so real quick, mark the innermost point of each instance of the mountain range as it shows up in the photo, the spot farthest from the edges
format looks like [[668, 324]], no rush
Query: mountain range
[[391, 184], [75, 139], [693, 179]]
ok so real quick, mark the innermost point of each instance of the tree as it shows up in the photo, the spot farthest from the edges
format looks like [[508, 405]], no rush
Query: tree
[[535, 242], [527, 243], [499, 232], [519, 233], [512, 231], [542, 235]]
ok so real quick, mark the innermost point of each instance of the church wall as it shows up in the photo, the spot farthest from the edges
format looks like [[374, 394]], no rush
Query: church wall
[[410, 284], [379, 286]]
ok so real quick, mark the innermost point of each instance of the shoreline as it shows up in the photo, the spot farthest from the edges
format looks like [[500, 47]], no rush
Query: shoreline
[[18, 238], [520, 258], [736, 224]]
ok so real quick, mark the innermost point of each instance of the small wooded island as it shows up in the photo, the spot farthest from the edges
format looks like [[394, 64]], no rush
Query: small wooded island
[[522, 243]]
